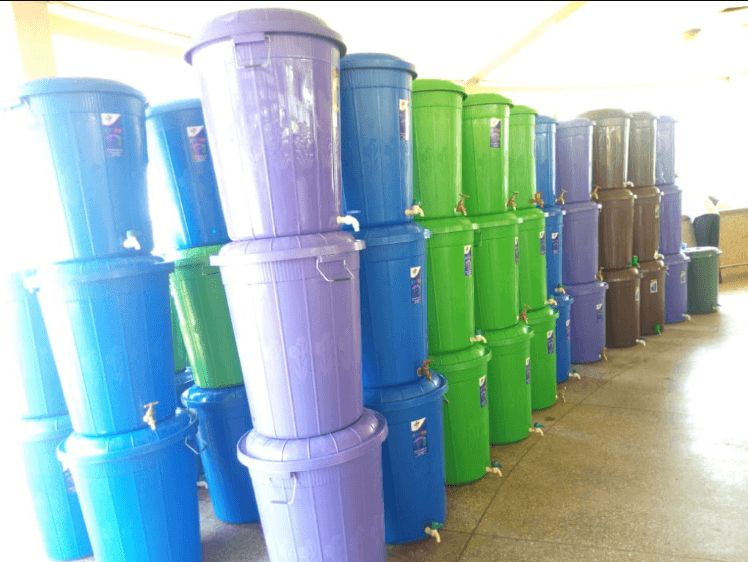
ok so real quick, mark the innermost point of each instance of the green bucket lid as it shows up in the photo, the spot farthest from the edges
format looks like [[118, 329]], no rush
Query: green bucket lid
[[474, 356], [194, 256], [523, 110], [509, 336], [445, 226], [486, 99], [430, 85], [498, 220], [529, 216], [541, 315], [702, 252]]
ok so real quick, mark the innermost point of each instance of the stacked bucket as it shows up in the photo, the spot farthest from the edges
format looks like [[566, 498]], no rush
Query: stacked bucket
[[107, 298], [377, 154], [586, 323], [270, 83], [182, 172]]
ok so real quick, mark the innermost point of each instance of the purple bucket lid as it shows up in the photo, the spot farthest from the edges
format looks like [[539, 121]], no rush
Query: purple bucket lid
[[676, 259], [582, 206], [263, 20], [574, 127], [313, 453], [586, 288], [668, 189]]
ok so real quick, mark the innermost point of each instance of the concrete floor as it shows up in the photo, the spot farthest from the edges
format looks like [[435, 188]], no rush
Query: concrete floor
[[646, 460]]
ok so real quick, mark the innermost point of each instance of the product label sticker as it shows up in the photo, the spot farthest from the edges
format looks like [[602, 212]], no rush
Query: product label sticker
[[542, 243], [653, 286], [404, 120], [335, 92], [550, 340], [483, 393], [636, 295], [468, 260], [198, 140], [599, 308], [527, 370], [657, 211], [516, 249], [418, 433], [495, 132], [683, 276], [568, 329], [415, 285], [555, 242], [112, 130], [69, 482]]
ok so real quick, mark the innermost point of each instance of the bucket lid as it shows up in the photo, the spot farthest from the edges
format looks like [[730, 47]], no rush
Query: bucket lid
[[668, 189], [444, 226], [702, 252], [676, 259], [393, 234], [581, 207], [523, 110], [645, 192], [554, 212], [545, 120], [562, 300], [431, 85], [619, 275], [666, 119], [509, 336], [44, 429], [193, 257], [183, 377], [573, 124], [173, 106], [652, 266], [93, 271], [262, 20], [586, 288], [288, 248], [81, 449], [410, 395], [313, 453], [528, 216], [615, 194], [57, 85], [642, 116], [476, 354], [541, 315], [376, 60], [602, 114], [496, 221], [486, 99], [197, 397]]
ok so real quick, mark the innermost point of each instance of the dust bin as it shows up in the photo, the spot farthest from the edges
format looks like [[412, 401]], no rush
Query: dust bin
[[580, 250], [563, 336], [376, 147], [393, 304], [522, 178], [137, 491], [485, 153], [182, 166], [508, 385], [574, 161], [533, 280], [86, 138], [554, 223], [112, 340], [670, 219], [610, 147], [587, 321], [295, 308], [545, 158], [450, 290], [703, 279], [676, 287], [653, 293], [622, 307], [223, 417], [466, 431], [543, 357], [53, 491], [642, 149], [32, 363], [320, 498], [646, 223], [616, 228], [496, 271], [275, 140], [412, 456], [665, 160], [204, 318], [437, 147]]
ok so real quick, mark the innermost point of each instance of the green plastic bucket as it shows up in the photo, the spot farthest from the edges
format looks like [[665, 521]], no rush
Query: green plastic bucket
[[543, 357], [509, 392], [533, 279], [522, 178], [204, 318], [485, 153], [449, 284], [703, 279], [180, 351], [437, 146], [467, 450], [496, 250]]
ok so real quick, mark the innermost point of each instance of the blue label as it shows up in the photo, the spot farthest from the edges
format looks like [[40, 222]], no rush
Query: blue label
[[551, 342], [556, 242], [69, 482], [468, 261], [516, 249], [198, 141], [495, 133], [415, 285], [404, 120], [418, 433], [483, 393], [542, 243], [527, 370], [568, 329], [112, 130]]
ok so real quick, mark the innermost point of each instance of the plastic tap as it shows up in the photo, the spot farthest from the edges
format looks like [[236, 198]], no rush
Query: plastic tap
[[560, 290], [562, 394], [349, 220], [523, 314], [599, 275], [461, 205], [415, 209], [574, 374], [560, 198], [537, 428], [628, 184], [149, 416], [641, 342], [479, 338], [658, 329], [604, 353], [551, 301], [495, 468], [687, 316], [537, 199], [511, 202], [634, 261], [659, 256], [131, 240], [424, 371], [595, 196], [432, 529]]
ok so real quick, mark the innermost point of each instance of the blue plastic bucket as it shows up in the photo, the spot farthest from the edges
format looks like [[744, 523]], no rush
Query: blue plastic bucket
[[676, 287], [587, 321], [545, 158], [53, 491], [40, 394], [86, 139], [563, 337], [224, 417], [376, 146], [394, 329], [137, 491], [412, 456], [554, 227], [183, 176], [112, 330], [665, 159]]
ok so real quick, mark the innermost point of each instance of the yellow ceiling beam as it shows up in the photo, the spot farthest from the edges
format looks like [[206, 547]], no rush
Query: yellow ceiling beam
[[34, 38]]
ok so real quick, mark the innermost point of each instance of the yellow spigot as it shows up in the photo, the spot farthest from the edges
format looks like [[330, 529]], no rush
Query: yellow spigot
[[537, 198], [599, 275], [461, 205], [595, 196], [511, 202], [560, 198], [424, 371], [552, 302], [150, 417], [604, 353], [414, 210], [433, 533], [523, 314], [479, 338]]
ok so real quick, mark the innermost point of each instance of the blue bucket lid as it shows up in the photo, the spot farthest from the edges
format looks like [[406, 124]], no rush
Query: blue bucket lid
[[313, 453], [582, 206], [81, 449], [183, 377], [376, 60], [410, 395], [666, 119], [545, 120], [562, 300], [44, 429], [554, 212], [56, 85], [173, 106], [393, 234], [262, 20], [93, 271], [676, 259], [202, 398], [586, 288]]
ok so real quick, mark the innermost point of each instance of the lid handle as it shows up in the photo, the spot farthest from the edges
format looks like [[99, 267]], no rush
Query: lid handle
[[414, 210], [424, 371], [242, 62], [293, 493], [461, 205], [326, 278], [201, 446], [512, 203], [560, 199]]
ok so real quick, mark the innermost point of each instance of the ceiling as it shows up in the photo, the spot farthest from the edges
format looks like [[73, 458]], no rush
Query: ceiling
[[599, 45]]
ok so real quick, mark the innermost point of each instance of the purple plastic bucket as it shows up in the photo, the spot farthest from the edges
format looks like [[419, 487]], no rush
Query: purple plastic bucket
[[574, 160], [295, 308], [580, 247], [676, 287], [587, 321], [270, 93], [670, 219], [320, 498]]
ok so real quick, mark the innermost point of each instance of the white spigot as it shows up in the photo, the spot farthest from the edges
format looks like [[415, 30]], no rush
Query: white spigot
[[414, 210], [131, 241], [687, 316], [641, 342], [434, 533], [494, 470], [575, 376], [479, 338], [350, 221]]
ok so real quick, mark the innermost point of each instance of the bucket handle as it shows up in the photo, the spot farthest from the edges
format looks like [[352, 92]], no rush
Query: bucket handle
[[254, 38], [293, 493], [326, 278], [199, 442]]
